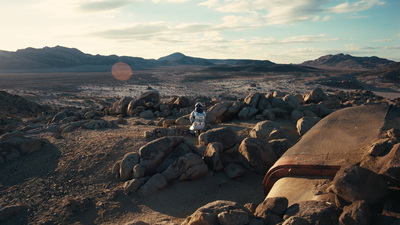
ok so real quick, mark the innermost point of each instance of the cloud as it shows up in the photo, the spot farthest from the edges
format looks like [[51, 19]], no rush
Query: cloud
[[93, 6], [294, 40], [284, 12], [382, 40]]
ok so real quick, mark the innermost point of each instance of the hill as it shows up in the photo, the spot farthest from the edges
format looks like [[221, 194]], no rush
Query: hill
[[66, 59], [342, 61]]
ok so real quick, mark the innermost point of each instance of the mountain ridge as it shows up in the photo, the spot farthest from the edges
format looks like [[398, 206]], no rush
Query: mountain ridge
[[72, 59]]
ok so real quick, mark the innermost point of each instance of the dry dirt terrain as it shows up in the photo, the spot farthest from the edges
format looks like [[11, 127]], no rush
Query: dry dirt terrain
[[69, 181]]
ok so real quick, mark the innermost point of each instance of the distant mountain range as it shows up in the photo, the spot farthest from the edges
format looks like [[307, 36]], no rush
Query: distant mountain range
[[71, 59], [349, 62]]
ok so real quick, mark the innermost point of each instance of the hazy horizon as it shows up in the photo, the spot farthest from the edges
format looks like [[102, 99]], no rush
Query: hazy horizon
[[279, 31]]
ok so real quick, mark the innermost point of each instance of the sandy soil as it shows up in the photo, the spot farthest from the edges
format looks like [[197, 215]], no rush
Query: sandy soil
[[70, 181]]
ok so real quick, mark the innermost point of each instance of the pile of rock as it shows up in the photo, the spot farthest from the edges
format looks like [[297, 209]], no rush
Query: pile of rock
[[359, 196], [175, 157], [304, 110], [159, 162], [15, 144]]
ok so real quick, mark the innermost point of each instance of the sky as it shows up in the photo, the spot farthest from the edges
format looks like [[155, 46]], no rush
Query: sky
[[282, 31]]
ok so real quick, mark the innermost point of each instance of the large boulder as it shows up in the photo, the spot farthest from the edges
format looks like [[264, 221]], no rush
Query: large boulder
[[276, 205], [353, 183], [315, 96], [181, 165], [127, 164], [181, 150], [224, 135], [219, 212], [155, 183], [247, 113], [391, 167], [194, 172], [213, 156], [357, 213], [154, 152], [252, 99], [217, 111], [258, 154], [305, 124], [120, 107], [150, 96], [315, 212], [182, 102], [263, 129]]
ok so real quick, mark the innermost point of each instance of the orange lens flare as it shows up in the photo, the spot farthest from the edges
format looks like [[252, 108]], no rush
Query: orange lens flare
[[121, 71]]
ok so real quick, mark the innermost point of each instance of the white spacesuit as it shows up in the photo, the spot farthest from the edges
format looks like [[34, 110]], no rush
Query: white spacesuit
[[197, 118]]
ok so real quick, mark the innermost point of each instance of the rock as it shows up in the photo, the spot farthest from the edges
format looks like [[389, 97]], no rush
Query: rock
[[120, 107], [208, 214], [181, 165], [29, 145], [150, 96], [115, 169], [332, 103], [154, 152], [296, 115], [379, 147], [194, 172], [247, 113], [138, 171], [294, 220], [89, 115], [258, 154], [223, 135], [8, 211], [276, 205], [133, 185], [263, 104], [233, 217], [9, 136], [393, 133], [179, 151], [146, 114], [293, 99], [280, 146], [183, 120], [276, 134], [353, 183], [233, 111], [217, 111], [155, 183], [59, 116], [391, 168], [252, 99], [268, 115], [234, 170], [279, 112], [315, 212], [358, 213], [127, 164], [263, 129], [277, 102], [182, 102], [315, 96], [305, 124], [213, 156]]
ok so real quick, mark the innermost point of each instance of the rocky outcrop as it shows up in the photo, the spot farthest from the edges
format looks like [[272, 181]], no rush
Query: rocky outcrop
[[220, 212], [315, 212], [14, 145], [355, 183], [223, 135], [258, 154]]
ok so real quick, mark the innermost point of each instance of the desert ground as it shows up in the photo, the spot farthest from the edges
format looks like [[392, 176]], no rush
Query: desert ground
[[70, 181]]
